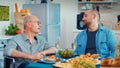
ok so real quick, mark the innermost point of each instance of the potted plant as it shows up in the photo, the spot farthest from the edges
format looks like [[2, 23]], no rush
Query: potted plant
[[12, 30]]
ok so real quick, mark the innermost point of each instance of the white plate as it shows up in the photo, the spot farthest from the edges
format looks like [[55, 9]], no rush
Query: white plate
[[63, 65], [98, 62], [46, 61], [43, 60]]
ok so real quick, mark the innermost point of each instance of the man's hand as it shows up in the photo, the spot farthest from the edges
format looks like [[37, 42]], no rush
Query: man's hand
[[37, 56]]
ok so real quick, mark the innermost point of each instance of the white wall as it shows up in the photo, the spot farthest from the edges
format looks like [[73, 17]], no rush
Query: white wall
[[68, 14]]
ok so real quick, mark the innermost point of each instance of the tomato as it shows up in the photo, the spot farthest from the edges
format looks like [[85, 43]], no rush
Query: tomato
[[18, 31]]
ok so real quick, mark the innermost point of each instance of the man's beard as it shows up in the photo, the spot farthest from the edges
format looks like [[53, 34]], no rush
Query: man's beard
[[87, 24]]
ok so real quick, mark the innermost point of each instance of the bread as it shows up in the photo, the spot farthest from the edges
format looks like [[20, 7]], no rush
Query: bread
[[16, 7], [117, 59], [95, 55], [116, 62], [106, 62]]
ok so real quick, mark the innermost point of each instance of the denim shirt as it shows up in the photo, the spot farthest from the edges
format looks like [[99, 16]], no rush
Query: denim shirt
[[105, 42]]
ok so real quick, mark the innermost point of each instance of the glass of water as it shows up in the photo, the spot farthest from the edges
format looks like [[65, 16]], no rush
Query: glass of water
[[73, 46], [118, 49]]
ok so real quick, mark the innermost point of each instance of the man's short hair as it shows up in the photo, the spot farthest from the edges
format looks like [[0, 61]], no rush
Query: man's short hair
[[26, 19]]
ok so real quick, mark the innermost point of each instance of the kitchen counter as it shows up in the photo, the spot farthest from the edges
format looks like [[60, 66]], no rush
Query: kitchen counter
[[3, 37]]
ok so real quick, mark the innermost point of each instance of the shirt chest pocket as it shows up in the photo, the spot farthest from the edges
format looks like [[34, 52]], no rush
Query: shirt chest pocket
[[103, 42], [79, 45], [104, 48], [103, 45]]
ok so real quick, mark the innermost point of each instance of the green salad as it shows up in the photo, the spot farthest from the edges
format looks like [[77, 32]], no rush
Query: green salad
[[66, 53]]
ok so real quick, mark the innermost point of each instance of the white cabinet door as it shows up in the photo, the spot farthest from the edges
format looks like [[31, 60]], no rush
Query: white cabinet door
[[53, 23]]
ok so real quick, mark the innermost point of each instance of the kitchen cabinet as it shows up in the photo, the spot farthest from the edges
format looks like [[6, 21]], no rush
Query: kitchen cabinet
[[49, 15]]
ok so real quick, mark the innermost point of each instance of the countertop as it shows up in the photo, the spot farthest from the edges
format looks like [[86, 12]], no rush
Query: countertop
[[3, 37]]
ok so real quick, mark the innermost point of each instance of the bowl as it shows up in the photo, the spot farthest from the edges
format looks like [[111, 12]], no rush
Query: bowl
[[66, 53]]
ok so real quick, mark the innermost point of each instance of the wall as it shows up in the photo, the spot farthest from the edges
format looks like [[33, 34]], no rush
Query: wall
[[109, 16]]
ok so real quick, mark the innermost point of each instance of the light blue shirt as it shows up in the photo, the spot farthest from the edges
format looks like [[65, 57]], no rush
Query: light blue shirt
[[21, 43], [105, 42]]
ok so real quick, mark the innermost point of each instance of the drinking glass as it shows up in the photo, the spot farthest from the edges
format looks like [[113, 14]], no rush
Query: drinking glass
[[118, 49], [73, 46]]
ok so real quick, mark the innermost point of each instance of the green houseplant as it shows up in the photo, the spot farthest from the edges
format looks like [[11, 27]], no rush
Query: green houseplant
[[12, 29]]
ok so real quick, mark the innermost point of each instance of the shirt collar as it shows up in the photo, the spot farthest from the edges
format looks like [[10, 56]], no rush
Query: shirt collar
[[25, 38], [100, 27]]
